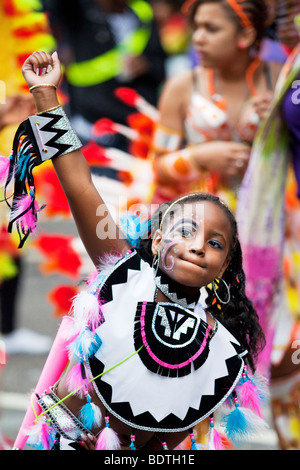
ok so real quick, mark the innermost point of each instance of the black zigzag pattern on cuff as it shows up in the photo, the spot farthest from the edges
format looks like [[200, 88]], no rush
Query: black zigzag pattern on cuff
[[59, 133]]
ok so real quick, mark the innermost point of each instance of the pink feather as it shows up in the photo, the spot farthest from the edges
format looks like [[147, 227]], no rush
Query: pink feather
[[92, 277], [25, 211], [40, 434], [86, 310], [215, 441], [108, 440], [22, 204], [75, 381], [29, 220], [249, 397], [45, 436], [4, 170]]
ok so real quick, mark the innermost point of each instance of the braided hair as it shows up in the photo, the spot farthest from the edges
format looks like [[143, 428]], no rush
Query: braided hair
[[238, 315]]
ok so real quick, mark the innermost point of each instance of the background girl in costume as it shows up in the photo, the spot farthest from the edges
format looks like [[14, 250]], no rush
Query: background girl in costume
[[215, 108], [215, 243], [270, 235]]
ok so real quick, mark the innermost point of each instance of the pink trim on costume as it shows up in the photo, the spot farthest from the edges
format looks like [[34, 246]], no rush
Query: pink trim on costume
[[156, 359]]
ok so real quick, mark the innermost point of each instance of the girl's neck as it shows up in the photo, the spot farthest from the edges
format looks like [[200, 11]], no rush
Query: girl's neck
[[166, 287], [226, 82], [237, 70]]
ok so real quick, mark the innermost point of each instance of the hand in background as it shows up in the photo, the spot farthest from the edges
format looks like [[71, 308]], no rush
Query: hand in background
[[16, 109], [262, 104]]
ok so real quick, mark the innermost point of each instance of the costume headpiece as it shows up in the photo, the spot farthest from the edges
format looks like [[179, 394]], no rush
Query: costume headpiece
[[235, 5], [172, 205]]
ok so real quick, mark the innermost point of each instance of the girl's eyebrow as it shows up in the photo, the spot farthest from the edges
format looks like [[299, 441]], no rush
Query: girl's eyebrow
[[217, 234], [182, 222]]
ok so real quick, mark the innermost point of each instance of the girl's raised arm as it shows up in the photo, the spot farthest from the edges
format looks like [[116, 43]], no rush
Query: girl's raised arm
[[87, 206]]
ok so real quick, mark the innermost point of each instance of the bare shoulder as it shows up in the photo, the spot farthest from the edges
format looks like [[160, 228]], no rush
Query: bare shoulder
[[178, 85], [175, 97]]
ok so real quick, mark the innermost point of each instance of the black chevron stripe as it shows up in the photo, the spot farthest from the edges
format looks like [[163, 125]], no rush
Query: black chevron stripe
[[120, 276], [54, 119]]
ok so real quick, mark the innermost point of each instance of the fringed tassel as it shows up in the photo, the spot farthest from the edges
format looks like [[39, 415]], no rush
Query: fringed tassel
[[193, 441], [86, 345], [108, 439], [132, 441], [41, 435], [90, 414], [262, 385], [164, 445], [77, 380], [249, 395], [215, 441], [241, 423], [86, 311], [24, 214]]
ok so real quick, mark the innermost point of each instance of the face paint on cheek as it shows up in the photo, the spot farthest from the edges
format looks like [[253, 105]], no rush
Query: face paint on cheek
[[168, 246]]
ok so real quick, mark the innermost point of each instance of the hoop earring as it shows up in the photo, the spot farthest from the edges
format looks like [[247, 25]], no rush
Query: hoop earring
[[155, 263], [215, 292]]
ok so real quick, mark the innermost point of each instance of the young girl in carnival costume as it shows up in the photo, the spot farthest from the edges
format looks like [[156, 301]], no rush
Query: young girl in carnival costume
[[143, 360]]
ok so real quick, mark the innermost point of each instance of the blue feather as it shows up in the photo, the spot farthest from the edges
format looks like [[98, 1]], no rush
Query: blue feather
[[90, 414], [236, 425], [134, 228], [242, 422], [86, 345], [22, 165]]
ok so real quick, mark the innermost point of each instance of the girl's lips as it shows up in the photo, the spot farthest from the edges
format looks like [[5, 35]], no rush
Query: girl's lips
[[195, 262]]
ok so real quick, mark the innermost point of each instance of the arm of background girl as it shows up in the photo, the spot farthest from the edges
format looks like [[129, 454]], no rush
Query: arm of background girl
[[222, 156], [87, 206]]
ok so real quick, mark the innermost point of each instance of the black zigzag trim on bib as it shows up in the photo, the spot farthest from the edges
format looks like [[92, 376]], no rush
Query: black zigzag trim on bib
[[120, 275], [208, 403]]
